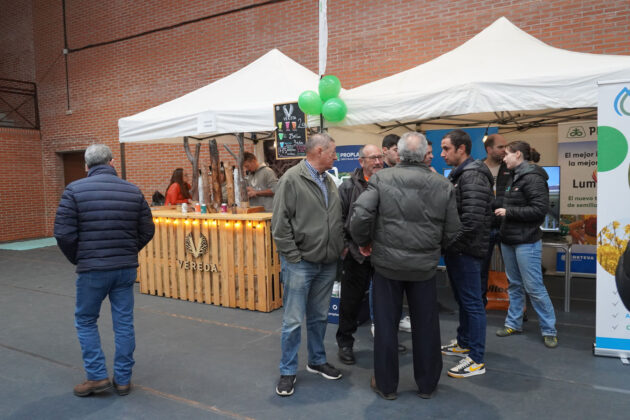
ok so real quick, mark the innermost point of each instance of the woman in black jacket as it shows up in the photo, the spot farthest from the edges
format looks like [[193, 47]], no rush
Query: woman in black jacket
[[525, 204]]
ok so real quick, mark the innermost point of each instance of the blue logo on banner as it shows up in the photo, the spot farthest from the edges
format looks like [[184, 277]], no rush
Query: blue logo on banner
[[620, 100], [347, 159]]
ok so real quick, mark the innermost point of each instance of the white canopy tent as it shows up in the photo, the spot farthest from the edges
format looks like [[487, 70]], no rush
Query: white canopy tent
[[500, 69], [239, 103]]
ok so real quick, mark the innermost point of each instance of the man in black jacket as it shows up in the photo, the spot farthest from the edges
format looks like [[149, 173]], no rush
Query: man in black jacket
[[403, 219], [495, 151], [357, 269], [102, 223], [473, 188]]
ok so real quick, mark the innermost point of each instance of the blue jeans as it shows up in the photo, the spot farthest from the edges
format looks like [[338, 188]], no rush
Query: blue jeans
[[92, 288], [307, 289], [522, 266], [464, 272]]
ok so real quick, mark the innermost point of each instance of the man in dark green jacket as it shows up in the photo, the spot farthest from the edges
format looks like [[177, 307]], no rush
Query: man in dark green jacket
[[405, 217], [308, 232]]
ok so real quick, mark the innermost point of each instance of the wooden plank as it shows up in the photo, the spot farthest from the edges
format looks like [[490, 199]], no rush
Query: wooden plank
[[178, 226], [142, 261], [214, 246], [261, 289], [190, 281], [197, 274], [157, 251], [231, 274], [276, 269], [206, 275], [151, 264], [239, 234], [268, 272], [273, 270], [225, 268], [250, 244], [163, 255], [171, 256]]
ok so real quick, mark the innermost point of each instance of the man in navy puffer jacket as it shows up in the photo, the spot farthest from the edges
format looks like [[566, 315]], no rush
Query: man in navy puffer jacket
[[102, 223]]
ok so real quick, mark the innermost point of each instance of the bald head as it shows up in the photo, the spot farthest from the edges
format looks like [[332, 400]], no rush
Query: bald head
[[370, 159]]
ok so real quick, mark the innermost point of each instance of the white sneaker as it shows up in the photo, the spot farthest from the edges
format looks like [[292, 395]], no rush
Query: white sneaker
[[405, 324], [467, 367], [372, 329]]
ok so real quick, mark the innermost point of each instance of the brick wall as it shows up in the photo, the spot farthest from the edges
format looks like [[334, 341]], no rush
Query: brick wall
[[368, 40], [22, 197], [16, 41]]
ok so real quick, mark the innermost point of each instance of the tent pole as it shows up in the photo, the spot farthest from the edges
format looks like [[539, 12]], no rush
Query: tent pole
[[123, 162]]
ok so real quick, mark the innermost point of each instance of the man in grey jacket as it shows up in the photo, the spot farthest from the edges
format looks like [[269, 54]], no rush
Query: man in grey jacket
[[403, 220], [308, 231]]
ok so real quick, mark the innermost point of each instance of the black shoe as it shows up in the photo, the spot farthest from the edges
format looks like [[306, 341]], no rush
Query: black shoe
[[346, 355], [327, 370], [402, 349], [390, 396], [426, 396], [285, 385]]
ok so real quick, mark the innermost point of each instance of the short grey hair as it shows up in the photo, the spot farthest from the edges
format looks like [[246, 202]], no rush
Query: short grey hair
[[322, 140], [412, 147], [97, 154]]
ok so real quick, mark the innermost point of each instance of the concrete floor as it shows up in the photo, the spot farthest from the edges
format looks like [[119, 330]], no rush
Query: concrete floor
[[202, 361]]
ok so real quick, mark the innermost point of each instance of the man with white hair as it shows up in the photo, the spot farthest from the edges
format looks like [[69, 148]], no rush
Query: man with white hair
[[102, 223], [403, 220]]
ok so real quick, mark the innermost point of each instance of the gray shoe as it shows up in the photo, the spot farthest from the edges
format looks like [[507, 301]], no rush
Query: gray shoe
[[505, 331]]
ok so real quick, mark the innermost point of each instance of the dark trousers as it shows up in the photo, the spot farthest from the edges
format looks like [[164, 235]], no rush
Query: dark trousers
[[464, 273], [495, 238], [354, 283], [425, 332]]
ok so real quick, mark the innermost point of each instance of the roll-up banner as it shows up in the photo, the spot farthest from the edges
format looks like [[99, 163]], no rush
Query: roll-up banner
[[612, 328]]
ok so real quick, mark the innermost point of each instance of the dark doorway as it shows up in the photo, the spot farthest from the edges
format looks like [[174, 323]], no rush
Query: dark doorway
[[73, 166]]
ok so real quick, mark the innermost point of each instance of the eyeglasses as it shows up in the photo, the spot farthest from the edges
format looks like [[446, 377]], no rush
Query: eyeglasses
[[376, 157]]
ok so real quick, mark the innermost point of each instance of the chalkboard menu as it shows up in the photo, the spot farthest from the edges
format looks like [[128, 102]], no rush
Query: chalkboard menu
[[291, 132]]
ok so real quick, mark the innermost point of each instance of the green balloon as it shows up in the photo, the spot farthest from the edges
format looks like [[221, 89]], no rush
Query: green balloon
[[310, 103], [334, 110], [329, 87]]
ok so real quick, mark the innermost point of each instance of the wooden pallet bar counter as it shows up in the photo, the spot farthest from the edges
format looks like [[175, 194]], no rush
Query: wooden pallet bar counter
[[216, 258]]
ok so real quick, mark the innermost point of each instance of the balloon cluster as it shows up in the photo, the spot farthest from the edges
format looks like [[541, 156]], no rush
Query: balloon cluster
[[327, 102]]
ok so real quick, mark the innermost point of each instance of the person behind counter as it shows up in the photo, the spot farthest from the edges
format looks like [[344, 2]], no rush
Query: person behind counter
[[178, 190], [260, 183]]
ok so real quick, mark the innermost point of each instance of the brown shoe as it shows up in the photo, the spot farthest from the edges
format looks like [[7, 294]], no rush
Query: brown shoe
[[390, 396], [92, 387], [122, 390]]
